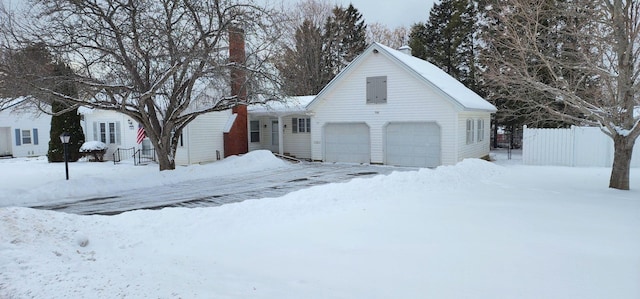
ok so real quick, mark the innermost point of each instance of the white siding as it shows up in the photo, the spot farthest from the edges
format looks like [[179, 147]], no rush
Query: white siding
[[475, 149], [408, 99], [259, 145], [297, 145], [128, 129], [10, 121], [203, 139]]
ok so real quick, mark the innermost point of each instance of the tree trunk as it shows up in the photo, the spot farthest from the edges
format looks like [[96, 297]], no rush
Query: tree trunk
[[166, 150], [165, 161], [623, 148]]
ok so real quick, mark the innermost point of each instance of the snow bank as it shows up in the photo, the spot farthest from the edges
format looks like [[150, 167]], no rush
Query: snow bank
[[27, 181], [473, 230]]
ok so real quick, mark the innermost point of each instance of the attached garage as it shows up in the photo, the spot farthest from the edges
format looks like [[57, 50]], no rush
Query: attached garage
[[347, 142], [415, 144]]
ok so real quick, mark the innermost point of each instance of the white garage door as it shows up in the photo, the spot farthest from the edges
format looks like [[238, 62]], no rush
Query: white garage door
[[347, 142], [413, 144]]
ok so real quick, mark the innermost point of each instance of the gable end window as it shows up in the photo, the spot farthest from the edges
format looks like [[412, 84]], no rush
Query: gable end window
[[470, 131], [300, 125], [254, 128], [377, 90]]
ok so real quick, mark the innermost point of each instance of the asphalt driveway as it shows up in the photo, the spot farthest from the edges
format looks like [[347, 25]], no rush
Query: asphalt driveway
[[219, 191]]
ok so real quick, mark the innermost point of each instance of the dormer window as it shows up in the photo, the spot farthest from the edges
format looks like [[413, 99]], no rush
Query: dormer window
[[377, 90]]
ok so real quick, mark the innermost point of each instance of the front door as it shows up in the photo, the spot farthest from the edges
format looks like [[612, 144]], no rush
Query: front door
[[5, 141], [274, 135]]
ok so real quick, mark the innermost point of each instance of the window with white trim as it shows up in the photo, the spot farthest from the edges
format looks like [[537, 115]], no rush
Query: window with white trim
[[301, 125], [470, 131], [254, 130], [26, 136], [480, 130], [107, 132]]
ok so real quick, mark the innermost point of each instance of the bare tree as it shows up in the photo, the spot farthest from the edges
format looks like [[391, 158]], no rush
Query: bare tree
[[161, 62], [396, 38], [587, 60]]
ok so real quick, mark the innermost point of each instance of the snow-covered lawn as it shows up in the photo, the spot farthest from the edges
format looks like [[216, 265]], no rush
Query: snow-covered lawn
[[473, 230]]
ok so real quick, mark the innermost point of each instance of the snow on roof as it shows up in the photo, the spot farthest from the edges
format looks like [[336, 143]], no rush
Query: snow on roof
[[449, 85], [85, 110], [289, 104], [229, 124]]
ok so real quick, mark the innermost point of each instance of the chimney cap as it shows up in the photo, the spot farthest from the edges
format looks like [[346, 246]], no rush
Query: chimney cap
[[405, 49]]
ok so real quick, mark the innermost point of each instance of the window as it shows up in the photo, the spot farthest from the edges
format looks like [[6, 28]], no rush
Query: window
[[254, 130], [470, 131], [107, 132], [377, 90], [301, 125], [112, 133], [480, 129], [26, 136]]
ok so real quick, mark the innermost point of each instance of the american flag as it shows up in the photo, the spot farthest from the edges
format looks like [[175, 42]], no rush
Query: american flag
[[141, 134]]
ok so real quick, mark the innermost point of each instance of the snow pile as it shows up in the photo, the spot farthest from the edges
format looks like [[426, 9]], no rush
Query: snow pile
[[31, 181], [473, 230], [93, 146]]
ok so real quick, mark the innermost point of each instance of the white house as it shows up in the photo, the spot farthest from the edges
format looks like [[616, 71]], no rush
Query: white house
[[24, 133], [386, 107], [201, 140]]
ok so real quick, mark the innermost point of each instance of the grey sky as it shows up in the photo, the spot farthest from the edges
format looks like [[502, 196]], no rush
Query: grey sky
[[392, 13]]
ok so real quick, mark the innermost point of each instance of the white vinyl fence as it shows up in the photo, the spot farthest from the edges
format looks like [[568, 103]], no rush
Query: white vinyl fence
[[576, 146]]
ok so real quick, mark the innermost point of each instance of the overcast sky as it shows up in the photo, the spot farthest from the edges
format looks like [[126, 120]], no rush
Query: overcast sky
[[392, 13]]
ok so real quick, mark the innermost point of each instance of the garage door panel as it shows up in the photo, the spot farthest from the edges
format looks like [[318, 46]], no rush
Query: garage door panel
[[413, 144], [347, 142]]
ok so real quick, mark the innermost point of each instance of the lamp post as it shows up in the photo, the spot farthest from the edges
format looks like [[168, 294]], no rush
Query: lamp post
[[64, 137]]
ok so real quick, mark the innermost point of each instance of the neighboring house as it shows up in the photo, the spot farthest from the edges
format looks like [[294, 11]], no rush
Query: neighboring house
[[114, 129], [24, 133], [201, 140], [386, 107]]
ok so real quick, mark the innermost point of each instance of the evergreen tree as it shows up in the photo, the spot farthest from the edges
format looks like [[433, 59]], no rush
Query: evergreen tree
[[553, 41], [447, 39], [36, 65], [301, 66], [65, 119], [319, 54], [345, 38]]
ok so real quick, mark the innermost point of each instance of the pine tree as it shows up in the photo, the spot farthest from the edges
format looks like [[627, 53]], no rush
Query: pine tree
[[301, 66], [319, 54], [64, 120], [553, 41], [345, 38], [447, 39]]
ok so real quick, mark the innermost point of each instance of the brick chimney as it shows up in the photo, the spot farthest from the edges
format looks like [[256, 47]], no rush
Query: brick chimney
[[236, 140]]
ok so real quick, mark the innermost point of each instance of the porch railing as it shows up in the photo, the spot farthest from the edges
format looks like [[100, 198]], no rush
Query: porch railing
[[123, 154], [140, 156]]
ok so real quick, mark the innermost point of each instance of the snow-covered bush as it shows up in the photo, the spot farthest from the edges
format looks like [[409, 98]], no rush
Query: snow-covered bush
[[95, 150]]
